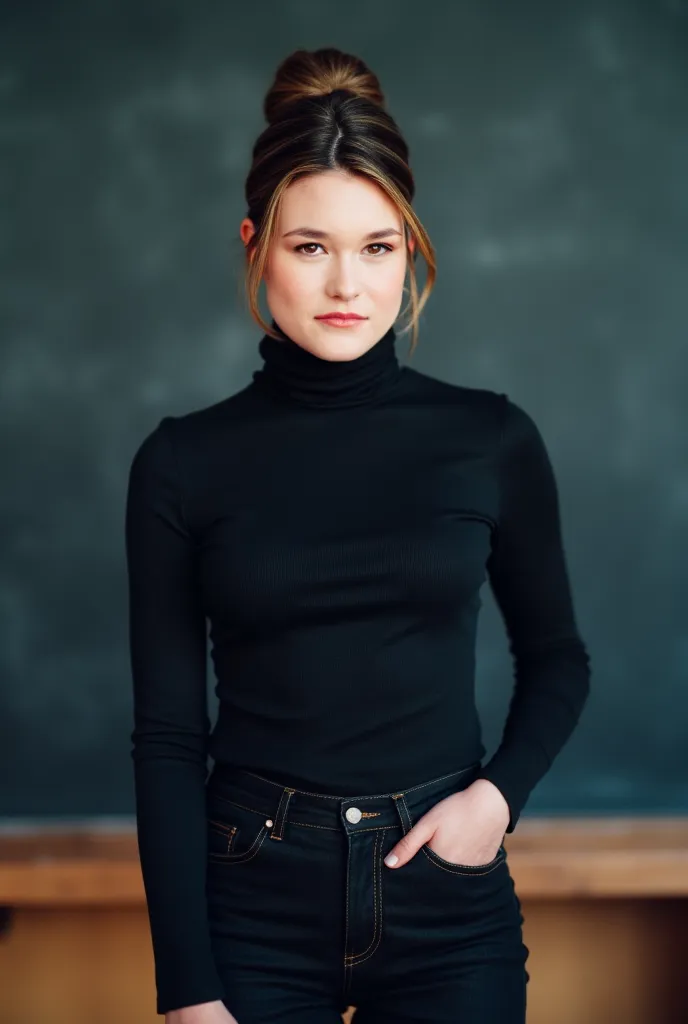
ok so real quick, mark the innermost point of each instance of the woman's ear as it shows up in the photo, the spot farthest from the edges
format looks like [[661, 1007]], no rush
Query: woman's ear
[[247, 230]]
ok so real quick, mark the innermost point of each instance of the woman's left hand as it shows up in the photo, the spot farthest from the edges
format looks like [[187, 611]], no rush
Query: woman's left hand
[[466, 828]]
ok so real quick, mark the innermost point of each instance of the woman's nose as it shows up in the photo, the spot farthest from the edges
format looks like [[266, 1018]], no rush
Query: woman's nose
[[343, 282]]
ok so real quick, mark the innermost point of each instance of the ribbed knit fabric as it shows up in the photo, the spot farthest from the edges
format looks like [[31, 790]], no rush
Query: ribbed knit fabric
[[333, 523]]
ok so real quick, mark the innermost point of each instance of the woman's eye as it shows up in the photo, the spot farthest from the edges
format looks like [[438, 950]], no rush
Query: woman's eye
[[309, 245], [380, 245]]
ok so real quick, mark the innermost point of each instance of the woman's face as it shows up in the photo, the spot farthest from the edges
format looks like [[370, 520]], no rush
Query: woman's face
[[321, 261]]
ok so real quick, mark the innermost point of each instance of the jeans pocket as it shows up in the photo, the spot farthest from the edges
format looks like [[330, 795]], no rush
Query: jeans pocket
[[477, 870], [464, 869], [235, 832]]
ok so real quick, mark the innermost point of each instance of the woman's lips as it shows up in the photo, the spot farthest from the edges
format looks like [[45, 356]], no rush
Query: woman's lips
[[341, 321]]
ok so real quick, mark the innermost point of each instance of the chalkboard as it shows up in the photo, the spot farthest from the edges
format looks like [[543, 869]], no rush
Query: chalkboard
[[550, 151]]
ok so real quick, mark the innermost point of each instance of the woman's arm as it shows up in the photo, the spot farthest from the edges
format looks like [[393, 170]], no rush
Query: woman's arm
[[528, 575], [167, 632]]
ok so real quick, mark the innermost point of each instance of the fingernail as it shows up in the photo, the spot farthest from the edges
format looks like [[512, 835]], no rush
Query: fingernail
[[391, 859]]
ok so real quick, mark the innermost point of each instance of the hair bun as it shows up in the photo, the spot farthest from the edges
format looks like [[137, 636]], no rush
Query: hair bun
[[309, 73]]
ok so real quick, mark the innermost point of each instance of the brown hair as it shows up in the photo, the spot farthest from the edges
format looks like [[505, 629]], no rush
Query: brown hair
[[326, 111]]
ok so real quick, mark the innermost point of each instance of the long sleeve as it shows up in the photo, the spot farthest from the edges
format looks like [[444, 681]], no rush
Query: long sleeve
[[167, 632], [529, 578]]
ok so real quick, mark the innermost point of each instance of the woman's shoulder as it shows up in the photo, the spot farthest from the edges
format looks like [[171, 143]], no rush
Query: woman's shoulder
[[507, 421], [199, 425], [487, 404], [184, 447]]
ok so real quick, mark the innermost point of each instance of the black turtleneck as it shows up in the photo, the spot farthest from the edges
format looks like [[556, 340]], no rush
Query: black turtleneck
[[294, 374], [333, 523]]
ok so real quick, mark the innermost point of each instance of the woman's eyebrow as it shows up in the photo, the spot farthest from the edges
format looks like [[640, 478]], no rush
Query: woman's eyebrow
[[314, 233]]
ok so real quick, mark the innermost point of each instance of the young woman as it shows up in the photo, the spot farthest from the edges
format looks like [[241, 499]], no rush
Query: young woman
[[334, 522]]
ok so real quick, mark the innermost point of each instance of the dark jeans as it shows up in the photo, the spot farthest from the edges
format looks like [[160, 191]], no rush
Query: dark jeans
[[307, 920]]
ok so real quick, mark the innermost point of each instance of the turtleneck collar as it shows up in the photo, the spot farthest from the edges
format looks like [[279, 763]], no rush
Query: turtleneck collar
[[292, 373]]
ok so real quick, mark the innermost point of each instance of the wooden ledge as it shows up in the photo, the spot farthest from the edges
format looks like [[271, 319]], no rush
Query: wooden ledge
[[97, 864], [639, 857]]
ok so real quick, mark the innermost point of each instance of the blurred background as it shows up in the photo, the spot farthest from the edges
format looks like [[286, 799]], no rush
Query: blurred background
[[549, 143]]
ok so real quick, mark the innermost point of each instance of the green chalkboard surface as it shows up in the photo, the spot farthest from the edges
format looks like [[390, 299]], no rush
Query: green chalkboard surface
[[549, 147]]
